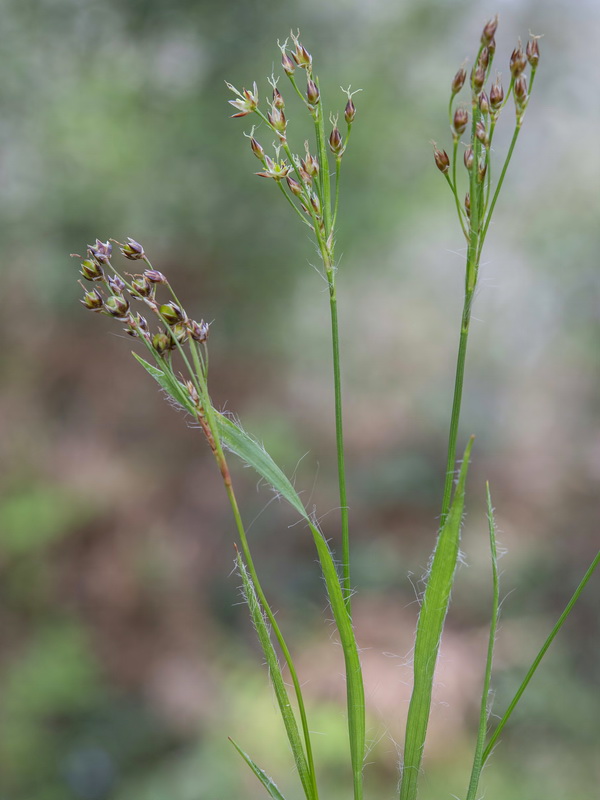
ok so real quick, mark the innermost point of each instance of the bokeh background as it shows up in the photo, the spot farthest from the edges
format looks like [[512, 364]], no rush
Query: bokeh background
[[126, 657]]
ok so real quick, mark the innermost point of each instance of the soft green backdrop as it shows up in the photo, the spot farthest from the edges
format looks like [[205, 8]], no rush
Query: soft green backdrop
[[126, 659]]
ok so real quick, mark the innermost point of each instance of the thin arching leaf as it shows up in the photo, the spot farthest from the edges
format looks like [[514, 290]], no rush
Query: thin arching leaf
[[262, 776]]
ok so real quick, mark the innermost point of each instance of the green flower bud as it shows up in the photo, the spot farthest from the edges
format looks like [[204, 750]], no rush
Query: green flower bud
[[171, 313], [117, 306]]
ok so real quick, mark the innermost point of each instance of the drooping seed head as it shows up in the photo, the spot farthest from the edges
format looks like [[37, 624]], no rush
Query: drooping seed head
[[93, 300], [458, 80], [154, 276], [461, 120], [312, 92], [172, 313], [489, 30], [335, 141], [518, 61], [349, 112], [442, 160], [91, 270], [117, 306], [532, 51], [132, 250], [468, 157]]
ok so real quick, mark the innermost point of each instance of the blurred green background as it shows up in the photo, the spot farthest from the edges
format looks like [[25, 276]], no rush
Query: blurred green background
[[126, 658]]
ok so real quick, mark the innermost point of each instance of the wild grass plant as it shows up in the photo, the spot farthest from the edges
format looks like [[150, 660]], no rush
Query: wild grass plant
[[177, 357]]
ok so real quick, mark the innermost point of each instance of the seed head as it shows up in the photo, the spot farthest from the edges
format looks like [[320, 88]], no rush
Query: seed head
[[518, 61], [91, 270], [180, 332], [172, 313], [335, 141], [496, 95], [349, 112], [458, 80], [287, 63], [312, 92], [117, 306], [441, 160], [481, 133], [161, 343], [489, 30], [468, 157], [141, 286], [198, 330], [461, 120], [93, 300], [257, 149], [116, 284], [484, 103], [132, 250], [309, 164], [294, 186], [532, 51], [301, 55], [277, 119], [100, 251], [154, 276], [477, 78]]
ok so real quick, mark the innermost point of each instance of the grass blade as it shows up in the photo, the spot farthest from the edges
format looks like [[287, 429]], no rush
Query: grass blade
[[283, 700], [262, 776], [536, 662], [429, 631], [485, 710]]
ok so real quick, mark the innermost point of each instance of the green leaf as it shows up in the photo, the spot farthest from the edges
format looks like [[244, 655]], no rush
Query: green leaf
[[283, 700], [167, 382], [260, 774], [429, 631], [485, 710]]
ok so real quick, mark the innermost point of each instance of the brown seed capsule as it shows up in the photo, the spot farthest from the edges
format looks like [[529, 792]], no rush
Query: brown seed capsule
[[294, 186], [477, 78], [154, 276], [349, 112], [442, 161], [91, 270], [484, 103], [312, 92], [492, 47], [484, 58], [489, 30], [287, 63], [482, 169], [93, 300], [532, 51], [141, 286], [520, 91], [469, 157], [171, 313], [132, 250], [335, 141], [496, 95], [458, 80], [518, 61], [315, 203], [161, 343], [461, 120], [278, 101], [117, 306], [468, 204], [257, 149]]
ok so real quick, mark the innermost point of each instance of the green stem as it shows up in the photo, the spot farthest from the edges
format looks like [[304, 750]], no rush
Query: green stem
[[500, 182], [531, 671]]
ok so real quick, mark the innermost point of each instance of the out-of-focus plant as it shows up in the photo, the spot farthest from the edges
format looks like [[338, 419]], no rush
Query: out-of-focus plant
[[178, 360]]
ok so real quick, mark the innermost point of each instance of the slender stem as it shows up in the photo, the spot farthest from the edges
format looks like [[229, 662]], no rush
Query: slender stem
[[538, 658], [338, 164], [293, 205], [500, 181]]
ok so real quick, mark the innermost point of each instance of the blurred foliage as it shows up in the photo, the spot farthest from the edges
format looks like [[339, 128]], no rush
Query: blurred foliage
[[125, 660]]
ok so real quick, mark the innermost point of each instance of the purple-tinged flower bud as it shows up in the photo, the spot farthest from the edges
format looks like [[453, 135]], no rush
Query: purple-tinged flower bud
[[141, 323], [277, 119], [518, 61], [484, 103], [294, 186], [489, 30], [477, 78], [312, 92], [310, 165], [171, 313], [287, 63], [91, 270], [116, 284], [278, 101], [482, 169], [133, 250], [461, 120], [161, 343], [492, 47], [484, 58], [141, 286], [198, 330], [349, 112], [520, 92], [257, 149], [532, 51], [100, 251], [117, 306], [468, 204], [441, 160], [315, 203], [335, 141], [154, 276], [180, 332], [469, 157], [458, 80], [496, 95], [481, 133], [301, 55], [93, 300]]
